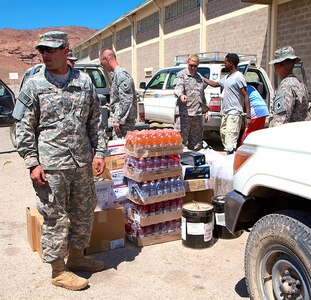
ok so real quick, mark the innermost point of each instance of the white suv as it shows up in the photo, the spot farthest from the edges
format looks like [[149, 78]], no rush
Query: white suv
[[272, 196], [158, 100]]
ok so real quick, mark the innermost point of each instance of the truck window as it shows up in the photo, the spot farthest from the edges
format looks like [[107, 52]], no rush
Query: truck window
[[205, 72], [97, 78], [157, 82]]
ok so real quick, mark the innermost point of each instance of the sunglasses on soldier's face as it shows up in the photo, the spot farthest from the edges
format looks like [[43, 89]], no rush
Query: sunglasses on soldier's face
[[41, 49]]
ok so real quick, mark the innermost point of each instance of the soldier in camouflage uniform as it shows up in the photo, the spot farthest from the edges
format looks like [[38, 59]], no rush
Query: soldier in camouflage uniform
[[290, 103], [59, 135], [123, 101], [191, 104]]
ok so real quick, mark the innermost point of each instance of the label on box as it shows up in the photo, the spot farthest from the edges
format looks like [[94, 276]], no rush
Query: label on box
[[120, 193], [117, 244], [190, 172], [136, 217], [118, 177], [116, 147]]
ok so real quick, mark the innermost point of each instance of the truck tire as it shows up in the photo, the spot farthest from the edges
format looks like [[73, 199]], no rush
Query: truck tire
[[13, 135], [278, 257]]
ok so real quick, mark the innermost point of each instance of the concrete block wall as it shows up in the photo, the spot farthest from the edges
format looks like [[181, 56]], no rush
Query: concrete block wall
[[188, 42], [218, 8], [125, 60], [147, 57], [294, 29], [242, 34], [185, 20]]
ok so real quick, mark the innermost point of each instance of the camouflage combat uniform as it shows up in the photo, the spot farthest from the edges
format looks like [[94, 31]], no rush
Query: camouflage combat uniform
[[123, 102], [290, 103], [59, 129], [188, 116]]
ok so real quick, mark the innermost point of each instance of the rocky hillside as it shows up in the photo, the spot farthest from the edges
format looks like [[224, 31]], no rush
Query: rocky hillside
[[17, 52]]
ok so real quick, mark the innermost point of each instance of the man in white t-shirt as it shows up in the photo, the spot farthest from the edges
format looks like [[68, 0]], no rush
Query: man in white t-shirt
[[233, 104]]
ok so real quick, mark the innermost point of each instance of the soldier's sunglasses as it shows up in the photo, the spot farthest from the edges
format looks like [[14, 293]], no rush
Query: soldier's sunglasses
[[193, 65], [41, 49]]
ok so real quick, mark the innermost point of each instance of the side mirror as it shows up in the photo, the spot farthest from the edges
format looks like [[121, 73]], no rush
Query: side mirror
[[102, 99], [142, 85]]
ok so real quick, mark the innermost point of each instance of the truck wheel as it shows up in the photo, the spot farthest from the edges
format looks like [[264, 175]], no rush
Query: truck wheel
[[13, 135], [278, 257]]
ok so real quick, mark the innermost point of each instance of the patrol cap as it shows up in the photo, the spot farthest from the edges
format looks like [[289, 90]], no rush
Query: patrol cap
[[284, 53], [53, 39], [71, 57]]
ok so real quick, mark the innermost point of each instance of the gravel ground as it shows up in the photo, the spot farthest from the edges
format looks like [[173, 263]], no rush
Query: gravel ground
[[163, 271]]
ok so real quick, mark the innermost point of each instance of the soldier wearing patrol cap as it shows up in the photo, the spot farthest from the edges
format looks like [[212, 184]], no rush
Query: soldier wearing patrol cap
[[123, 101], [59, 135], [71, 59], [290, 103]]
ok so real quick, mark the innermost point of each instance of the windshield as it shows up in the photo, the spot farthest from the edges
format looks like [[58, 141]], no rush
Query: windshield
[[97, 77]]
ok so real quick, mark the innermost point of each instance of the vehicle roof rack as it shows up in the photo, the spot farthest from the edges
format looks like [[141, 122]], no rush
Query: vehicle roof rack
[[214, 57]]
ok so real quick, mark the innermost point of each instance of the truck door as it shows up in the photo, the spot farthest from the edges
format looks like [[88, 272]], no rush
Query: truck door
[[7, 103]]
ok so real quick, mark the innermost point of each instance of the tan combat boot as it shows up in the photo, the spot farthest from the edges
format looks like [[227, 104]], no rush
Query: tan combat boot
[[78, 262], [66, 279]]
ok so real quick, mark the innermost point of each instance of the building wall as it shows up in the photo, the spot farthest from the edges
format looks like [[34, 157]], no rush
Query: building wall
[[240, 34], [217, 8], [294, 29], [188, 42], [147, 57], [125, 59]]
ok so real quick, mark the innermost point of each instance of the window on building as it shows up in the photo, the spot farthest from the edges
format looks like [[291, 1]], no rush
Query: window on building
[[124, 33], [84, 53], [107, 42], [180, 7], [148, 22]]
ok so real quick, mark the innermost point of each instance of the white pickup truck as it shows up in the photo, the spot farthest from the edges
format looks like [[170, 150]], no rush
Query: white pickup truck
[[158, 100], [272, 196]]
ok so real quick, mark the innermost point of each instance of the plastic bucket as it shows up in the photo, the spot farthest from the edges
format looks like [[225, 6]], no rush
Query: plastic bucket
[[197, 225], [221, 230]]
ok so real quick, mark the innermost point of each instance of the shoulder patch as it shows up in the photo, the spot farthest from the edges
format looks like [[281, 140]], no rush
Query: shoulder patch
[[24, 99], [279, 103]]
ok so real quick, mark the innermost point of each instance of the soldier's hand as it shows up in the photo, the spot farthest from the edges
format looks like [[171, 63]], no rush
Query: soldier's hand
[[116, 126], [37, 175], [183, 98], [207, 117], [99, 165]]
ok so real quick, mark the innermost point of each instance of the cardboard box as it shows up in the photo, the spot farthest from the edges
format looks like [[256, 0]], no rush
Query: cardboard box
[[191, 172], [146, 221], [31, 213], [199, 196], [193, 185], [104, 175], [152, 152], [120, 193], [115, 162], [117, 177], [116, 147], [152, 175], [108, 230], [157, 198], [38, 233], [105, 195], [155, 239]]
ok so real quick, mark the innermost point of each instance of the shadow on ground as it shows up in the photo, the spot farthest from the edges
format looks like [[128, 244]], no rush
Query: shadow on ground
[[241, 288], [113, 258]]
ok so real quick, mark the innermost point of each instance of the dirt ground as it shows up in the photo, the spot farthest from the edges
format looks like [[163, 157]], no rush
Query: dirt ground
[[163, 271]]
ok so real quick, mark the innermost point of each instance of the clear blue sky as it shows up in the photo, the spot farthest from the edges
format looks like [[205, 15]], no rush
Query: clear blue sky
[[34, 14]]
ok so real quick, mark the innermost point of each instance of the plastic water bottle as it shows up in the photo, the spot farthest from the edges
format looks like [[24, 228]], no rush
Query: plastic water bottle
[[166, 186], [149, 164], [141, 165], [163, 163], [160, 187], [152, 188], [173, 185], [145, 189], [179, 184], [156, 163]]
